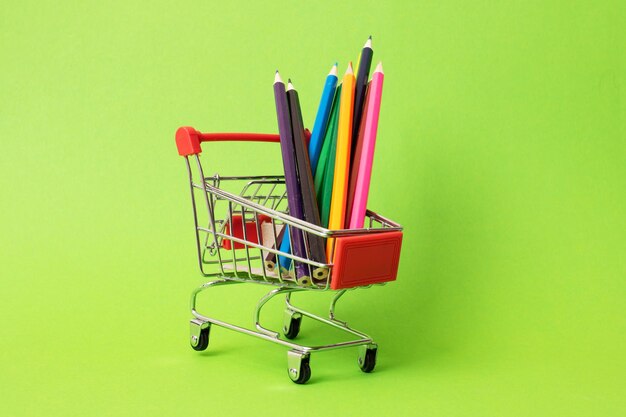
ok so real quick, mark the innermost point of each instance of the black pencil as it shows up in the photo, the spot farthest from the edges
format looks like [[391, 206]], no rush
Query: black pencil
[[362, 77], [354, 169]]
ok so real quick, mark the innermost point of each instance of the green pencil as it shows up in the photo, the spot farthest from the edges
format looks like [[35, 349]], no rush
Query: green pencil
[[326, 164], [323, 158]]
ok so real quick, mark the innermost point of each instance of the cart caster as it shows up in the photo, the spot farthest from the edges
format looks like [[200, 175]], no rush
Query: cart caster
[[199, 334], [298, 366], [367, 357], [291, 326]]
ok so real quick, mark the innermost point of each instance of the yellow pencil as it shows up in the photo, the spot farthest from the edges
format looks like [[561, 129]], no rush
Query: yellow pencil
[[342, 157]]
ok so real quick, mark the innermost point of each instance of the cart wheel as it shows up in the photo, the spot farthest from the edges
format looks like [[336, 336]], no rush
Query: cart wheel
[[299, 369], [199, 335], [293, 328], [305, 373], [367, 359]]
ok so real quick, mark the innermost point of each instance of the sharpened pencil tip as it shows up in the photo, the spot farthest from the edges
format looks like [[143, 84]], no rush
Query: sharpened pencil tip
[[277, 78], [349, 70], [379, 67], [368, 43], [333, 70], [289, 85]]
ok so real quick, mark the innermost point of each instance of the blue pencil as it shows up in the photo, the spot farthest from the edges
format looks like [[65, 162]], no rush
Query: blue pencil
[[285, 246], [315, 144], [322, 117]]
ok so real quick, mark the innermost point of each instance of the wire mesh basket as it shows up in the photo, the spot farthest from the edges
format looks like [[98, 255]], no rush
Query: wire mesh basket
[[239, 224]]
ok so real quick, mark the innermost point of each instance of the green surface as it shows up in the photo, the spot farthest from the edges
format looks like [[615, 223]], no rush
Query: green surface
[[501, 150]]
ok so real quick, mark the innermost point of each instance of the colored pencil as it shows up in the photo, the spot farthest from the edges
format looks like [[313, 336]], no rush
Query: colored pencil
[[365, 61], [321, 119], [362, 76], [342, 157], [270, 258], [323, 159], [354, 168], [285, 246], [367, 155], [326, 163], [294, 193], [317, 140], [303, 164]]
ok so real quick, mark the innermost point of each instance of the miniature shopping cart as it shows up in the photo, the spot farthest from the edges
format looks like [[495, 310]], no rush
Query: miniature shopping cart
[[239, 223]]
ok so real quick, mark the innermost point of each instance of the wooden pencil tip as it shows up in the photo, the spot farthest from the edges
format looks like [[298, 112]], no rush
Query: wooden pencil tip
[[349, 70], [379, 67], [333, 70], [277, 78], [289, 85], [368, 43]]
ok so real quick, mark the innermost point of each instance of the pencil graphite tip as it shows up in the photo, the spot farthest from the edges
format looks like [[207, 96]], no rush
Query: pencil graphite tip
[[368, 43], [379, 67], [289, 85], [277, 78]]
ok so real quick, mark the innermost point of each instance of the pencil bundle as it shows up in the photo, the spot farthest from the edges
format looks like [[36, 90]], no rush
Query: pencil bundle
[[327, 181]]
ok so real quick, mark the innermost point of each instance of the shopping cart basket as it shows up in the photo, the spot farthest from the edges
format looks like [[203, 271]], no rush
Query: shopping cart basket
[[236, 239]]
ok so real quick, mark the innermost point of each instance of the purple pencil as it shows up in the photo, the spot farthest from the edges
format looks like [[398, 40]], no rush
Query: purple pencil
[[317, 246], [294, 192]]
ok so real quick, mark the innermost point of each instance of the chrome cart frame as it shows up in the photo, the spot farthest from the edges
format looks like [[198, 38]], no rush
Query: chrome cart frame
[[236, 240]]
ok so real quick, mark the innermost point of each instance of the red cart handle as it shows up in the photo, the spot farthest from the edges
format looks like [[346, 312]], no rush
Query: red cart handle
[[188, 139]]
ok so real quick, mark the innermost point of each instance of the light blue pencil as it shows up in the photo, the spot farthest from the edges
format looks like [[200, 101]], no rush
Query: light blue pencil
[[322, 117]]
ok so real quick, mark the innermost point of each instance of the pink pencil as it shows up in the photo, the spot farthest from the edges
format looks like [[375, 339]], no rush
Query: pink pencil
[[362, 188]]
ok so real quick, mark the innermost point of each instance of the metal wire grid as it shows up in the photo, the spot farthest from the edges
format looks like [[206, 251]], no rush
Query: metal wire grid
[[260, 198]]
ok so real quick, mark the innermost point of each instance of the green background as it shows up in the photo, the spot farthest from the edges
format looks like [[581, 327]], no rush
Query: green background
[[501, 150]]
